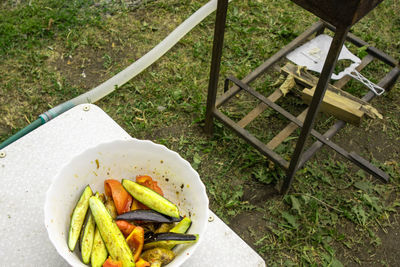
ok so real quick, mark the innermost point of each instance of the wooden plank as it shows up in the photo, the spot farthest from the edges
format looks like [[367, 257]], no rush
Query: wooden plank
[[291, 127], [341, 107], [308, 80], [286, 132], [259, 109]]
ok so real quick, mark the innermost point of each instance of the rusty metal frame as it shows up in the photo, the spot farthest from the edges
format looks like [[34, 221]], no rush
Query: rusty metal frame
[[298, 158]]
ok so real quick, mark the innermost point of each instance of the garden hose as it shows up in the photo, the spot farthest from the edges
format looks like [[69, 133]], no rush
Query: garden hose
[[122, 77]]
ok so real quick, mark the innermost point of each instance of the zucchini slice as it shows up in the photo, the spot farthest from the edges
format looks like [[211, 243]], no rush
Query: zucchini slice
[[112, 236], [180, 228], [78, 217], [99, 250], [166, 240], [151, 199], [87, 238]]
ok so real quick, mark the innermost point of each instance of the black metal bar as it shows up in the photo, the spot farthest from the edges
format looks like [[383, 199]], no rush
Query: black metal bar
[[356, 159], [387, 82], [320, 31], [367, 166], [260, 146], [272, 60], [265, 100], [329, 65], [226, 85], [370, 49], [218, 43]]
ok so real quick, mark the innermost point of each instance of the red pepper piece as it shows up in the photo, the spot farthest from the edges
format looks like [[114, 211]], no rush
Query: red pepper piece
[[111, 263], [125, 227], [147, 181], [142, 263], [136, 205], [135, 241], [122, 199]]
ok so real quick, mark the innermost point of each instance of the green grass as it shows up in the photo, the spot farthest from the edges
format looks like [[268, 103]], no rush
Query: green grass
[[334, 212]]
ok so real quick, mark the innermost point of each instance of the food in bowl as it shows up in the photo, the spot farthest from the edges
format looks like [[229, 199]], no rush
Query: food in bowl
[[132, 225], [121, 159]]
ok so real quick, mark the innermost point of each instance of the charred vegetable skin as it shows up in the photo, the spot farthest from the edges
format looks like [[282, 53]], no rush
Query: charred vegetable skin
[[78, 217], [151, 199], [147, 216], [112, 236]]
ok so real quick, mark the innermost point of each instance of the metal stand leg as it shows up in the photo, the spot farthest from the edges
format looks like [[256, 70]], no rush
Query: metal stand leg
[[219, 30], [330, 63]]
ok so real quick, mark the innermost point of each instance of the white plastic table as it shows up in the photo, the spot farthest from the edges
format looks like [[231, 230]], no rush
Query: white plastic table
[[27, 168]]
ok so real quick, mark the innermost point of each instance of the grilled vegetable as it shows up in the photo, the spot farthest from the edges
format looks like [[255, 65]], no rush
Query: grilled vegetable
[[148, 182], [147, 216], [142, 263], [101, 197], [151, 199], [136, 205], [158, 256], [87, 238], [164, 228], [112, 263], [121, 198], [112, 236], [99, 250], [78, 217], [166, 240], [111, 207], [135, 241], [125, 227], [182, 226]]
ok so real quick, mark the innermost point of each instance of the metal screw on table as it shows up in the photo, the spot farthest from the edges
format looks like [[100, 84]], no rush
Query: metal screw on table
[[86, 108], [2, 154]]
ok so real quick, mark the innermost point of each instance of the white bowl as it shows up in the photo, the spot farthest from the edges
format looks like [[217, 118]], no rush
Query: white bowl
[[180, 183]]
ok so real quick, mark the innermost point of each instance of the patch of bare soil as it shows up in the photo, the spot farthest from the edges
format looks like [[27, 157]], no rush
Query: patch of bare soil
[[369, 254], [88, 68], [250, 225], [389, 251]]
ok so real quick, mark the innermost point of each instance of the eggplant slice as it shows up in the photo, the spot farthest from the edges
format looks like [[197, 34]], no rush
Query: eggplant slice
[[147, 216], [167, 240]]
